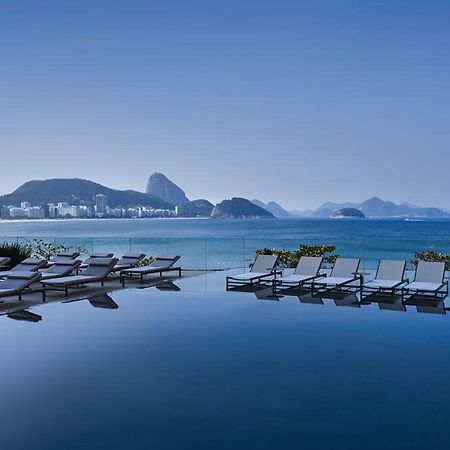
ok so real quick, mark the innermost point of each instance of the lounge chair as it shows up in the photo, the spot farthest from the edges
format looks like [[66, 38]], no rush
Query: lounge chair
[[96, 272], [263, 267], [19, 283], [63, 257], [60, 269], [344, 274], [429, 281], [4, 262], [128, 261], [388, 279], [27, 265], [159, 265], [307, 270], [94, 256]]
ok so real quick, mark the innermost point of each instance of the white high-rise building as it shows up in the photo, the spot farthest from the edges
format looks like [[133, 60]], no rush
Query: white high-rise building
[[101, 205]]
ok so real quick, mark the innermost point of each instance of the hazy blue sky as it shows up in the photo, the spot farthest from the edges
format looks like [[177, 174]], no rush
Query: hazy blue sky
[[295, 101]]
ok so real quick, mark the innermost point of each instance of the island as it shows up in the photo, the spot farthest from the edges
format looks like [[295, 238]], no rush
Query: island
[[348, 213], [239, 208]]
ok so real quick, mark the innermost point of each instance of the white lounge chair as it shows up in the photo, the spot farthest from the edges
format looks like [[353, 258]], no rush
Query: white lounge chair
[[19, 283], [128, 261], [96, 272], [306, 271], [429, 281], [388, 279], [27, 265], [159, 265], [343, 274], [263, 267]]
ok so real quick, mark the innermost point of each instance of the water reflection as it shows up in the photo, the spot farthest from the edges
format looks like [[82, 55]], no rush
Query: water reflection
[[168, 286], [25, 315], [266, 294], [349, 299], [102, 301], [20, 310]]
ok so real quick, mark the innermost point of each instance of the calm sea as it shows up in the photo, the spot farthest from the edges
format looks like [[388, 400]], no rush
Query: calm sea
[[219, 244]]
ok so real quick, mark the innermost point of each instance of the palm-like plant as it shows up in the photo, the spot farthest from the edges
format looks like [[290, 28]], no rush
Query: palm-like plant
[[15, 251]]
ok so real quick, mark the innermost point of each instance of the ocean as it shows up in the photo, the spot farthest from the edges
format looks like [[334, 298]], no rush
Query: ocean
[[222, 244]]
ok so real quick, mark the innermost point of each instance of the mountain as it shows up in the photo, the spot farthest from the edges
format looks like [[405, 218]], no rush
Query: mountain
[[196, 208], [76, 191], [239, 208], [348, 213], [335, 206], [375, 207], [323, 212], [274, 208], [328, 208], [160, 186]]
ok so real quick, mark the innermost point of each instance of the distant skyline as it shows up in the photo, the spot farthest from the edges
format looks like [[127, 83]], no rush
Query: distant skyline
[[292, 101]]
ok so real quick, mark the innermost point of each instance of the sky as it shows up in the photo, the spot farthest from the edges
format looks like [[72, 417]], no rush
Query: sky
[[299, 102]]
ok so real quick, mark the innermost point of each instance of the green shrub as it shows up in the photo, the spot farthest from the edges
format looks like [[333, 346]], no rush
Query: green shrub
[[46, 250], [15, 251], [431, 256], [146, 261], [287, 258]]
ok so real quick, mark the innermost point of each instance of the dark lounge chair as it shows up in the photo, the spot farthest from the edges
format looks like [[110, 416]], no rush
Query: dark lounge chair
[[96, 272], [60, 269], [63, 257], [19, 284], [128, 261], [94, 256], [27, 265], [4, 262]]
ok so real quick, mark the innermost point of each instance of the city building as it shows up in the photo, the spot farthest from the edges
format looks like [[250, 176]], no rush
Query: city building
[[101, 205]]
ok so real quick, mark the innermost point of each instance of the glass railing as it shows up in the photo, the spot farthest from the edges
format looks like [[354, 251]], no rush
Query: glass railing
[[233, 253]]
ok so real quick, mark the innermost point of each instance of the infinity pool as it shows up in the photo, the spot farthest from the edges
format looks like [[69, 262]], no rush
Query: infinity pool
[[150, 369]]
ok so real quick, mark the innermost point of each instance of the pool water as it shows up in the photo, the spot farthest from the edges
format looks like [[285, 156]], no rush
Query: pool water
[[217, 370]]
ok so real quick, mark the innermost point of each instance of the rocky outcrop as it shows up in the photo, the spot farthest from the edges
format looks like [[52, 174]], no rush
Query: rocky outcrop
[[239, 208], [196, 208], [348, 212], [274, 208], [160, 186]]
